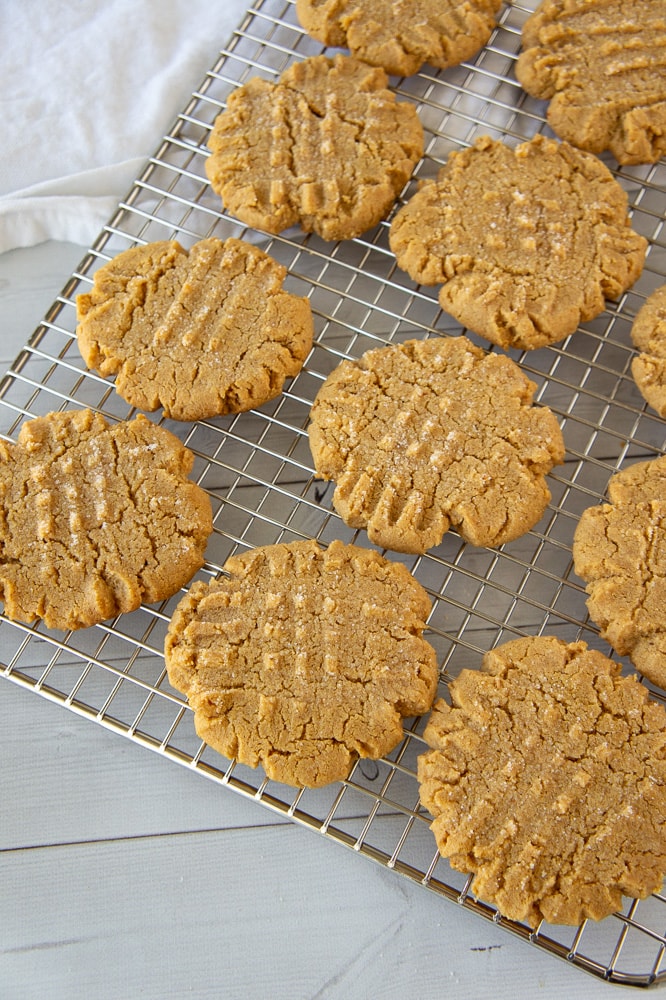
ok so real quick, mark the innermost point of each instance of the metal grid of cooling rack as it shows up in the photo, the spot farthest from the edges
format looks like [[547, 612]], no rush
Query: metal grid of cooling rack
[[258, 471]]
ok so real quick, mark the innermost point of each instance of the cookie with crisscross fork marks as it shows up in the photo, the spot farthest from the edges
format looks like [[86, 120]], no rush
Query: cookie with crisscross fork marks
[[547, 781], [526, 241], [401, 37], [619, 550], [326, 146], [602, 66], [428, 434], [303, 659], [96, 518], [201, 333]]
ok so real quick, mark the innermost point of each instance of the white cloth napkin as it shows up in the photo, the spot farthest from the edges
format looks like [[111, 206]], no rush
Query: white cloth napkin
[[87, 89]]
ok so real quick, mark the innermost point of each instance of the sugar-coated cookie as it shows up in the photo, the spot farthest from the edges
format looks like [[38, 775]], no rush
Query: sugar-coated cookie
[[96, 518], [619, 551], [303, 659], [648, 334], [199, 332], [326, 146], [601, 66], [546, 779], [429, 434], [527, 242], [401, 37]]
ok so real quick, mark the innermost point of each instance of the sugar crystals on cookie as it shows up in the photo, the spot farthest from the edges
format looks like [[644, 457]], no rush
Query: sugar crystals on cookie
[[601, 66], [619, 550], [303, 659], [96, 518], [402, 37], [527, 242], [199, 332], [425, 435], [648, 334], [326, 146], [546, 780]]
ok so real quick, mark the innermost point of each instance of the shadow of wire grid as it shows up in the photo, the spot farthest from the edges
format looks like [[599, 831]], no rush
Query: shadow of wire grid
[[258, 471]]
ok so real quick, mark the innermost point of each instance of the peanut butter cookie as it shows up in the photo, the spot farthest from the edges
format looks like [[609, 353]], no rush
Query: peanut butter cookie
[[401, 37], [648, 334], [327, 146], [526, 242], [602, 66], [428, 434], [547, 781], [201, 332], [303, 659], [95, 519], [619, 550]]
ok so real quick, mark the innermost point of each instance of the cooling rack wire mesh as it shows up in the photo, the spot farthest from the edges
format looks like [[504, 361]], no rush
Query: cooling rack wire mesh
[[257, 466]]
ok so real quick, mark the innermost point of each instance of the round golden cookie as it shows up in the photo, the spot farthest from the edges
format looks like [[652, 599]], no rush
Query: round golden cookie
[[201, 332], [547, 781], [648, 334], [96, 518], [327, 146], [402, 37], [303, 659], [430, 434], [600, 64], [619, 550], [526, 241]]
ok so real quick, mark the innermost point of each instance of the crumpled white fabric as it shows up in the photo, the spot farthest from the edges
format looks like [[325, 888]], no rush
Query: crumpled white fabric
[[87, 90]]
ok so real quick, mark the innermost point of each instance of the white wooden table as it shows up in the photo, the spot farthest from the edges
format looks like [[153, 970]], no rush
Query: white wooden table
[[123, 875]]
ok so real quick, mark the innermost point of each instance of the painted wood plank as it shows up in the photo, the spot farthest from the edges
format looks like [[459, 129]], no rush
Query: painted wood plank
[[248, 914], [30, 279], [71, 780]]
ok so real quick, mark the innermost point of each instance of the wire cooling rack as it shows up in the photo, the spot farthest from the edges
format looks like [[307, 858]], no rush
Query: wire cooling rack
[[258, 471]]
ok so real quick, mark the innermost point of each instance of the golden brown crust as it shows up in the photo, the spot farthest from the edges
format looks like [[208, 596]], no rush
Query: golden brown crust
[[602, 66], [95, 519], [303, 659], [402, 37], [527, 242], [620, 551], [327, 147], [200, 333], [547, 781], [428, 434]]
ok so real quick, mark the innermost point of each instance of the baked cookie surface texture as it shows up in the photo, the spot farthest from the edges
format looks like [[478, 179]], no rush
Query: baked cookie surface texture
[[602, 66], [326, 146], [547, 781], [430, 434], [648, 334], [200, 333], [526, 242], [303, 659], [401, 37], [96, 518], [619, 551]]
